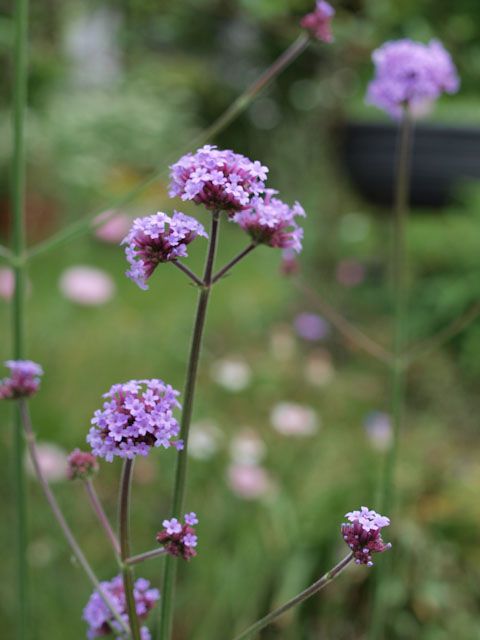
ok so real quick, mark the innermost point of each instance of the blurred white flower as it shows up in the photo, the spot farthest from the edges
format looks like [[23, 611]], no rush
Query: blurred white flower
[[87, 285], [247, 447], [204, 440], [249, 481], [52, 460], [115, 227], [282, 343], [292, 419], [232, 374], [378, 427], [319, 368]]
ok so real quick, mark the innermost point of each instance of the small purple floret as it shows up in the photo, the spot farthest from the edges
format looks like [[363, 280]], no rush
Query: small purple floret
[[82, 465], [220, 180], [137, 416], [158, 238], [24, 380], [411, 74], [99, 617], [270, 221], [318, 23], [177, 539], [362, 534]]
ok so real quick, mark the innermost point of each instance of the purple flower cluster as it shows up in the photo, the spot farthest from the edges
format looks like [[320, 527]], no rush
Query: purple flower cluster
[[24, 380], [362, 534], [99, 617], [179, 539], [158, 238], [270, 221], [137, 416], [318, 23], [220, 180], [81, 465], [411, 74]]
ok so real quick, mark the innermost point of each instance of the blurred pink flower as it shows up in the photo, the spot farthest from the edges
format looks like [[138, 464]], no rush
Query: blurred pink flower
[[249, 481], [247, 447], [378, 427], [350, 273], [7, 283], [292, 419], [87, 285], [115, 227], [52, 460]]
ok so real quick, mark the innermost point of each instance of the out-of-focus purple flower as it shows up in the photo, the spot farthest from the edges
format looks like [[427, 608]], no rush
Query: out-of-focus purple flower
[[178, 539], [81, 465], [362, 534], [318, 23], [270, 221], [114, 226], [350, 273], [87, 286], [289, 265], [220, 180], [232, 374], [24, 380], [378, 427], [249, 481], [99, 617], [292, 419], [158, 238], [136, 416], [311, 326], [52, 460], [411, 74]]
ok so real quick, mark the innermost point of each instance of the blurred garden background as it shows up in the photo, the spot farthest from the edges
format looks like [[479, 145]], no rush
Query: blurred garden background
[[291, 423]]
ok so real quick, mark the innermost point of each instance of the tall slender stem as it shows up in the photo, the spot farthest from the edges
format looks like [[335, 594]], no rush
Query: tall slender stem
[[148, 555], [308, 593], [166, 613], [227, 117], [398, 367], [58, 515], [101, 515], [18, 307], [124, 528]]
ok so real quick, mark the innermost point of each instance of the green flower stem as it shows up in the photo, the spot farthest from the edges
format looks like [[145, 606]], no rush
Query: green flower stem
[[193, 276], [18, 307], [304, 595], [233, 262], [58, 515], [148, 555], [124, 528], [86, 224], [101, 515], [168, 590], [398, 366], [6, 254]]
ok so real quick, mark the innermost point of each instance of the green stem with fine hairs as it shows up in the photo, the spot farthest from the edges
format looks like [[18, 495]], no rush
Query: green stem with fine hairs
[[124, 531], [398, 367], [168, 591], [18, 306]]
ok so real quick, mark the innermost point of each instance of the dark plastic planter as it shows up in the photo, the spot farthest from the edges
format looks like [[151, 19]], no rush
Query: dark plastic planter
[[443, 157]]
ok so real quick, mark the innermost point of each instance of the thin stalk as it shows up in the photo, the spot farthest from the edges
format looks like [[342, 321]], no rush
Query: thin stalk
[[304, 595], [166, 613], [124, 528], [233, 262], [398, 368], [232, 112], [59, 517], [148, 555], [101, 515], [193, 276], [18, 307]]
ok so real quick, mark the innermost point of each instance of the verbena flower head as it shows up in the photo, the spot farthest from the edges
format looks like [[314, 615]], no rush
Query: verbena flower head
[[158, 238], [362, 534], [220, 180], [179, 539], [136, 416], [318, 23], [411, 74], [270, 221], [99, 617], [24, 380], [81, 465]]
